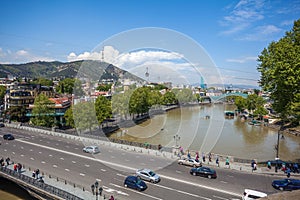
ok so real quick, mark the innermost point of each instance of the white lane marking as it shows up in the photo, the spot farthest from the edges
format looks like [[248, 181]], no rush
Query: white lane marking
[[143, 164], [43, 162], [57, 144], [22, 147], [112, 157], [147, 195], [22, 155], [50, 155], [97, 179], [5, 149], [230, 176], [131, 168], [55, 166], [31, 158], [40, 152], [30, 150], [62, 158], [152, 159], [223, 181], [179, 172], [13, 152], [76, 148], [104, 170], [182, 192], [67, 170], [81, 174], [121, 175], [126, 160], [73, 161], [220, 197], [87, 165]]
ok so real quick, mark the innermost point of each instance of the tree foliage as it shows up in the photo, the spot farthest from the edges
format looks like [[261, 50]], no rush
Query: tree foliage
[[103, 108], [2, 92], [280, 72], [43, 81], [139, 101], [104, 87], [70, 86], [43, 111], [69, 117], [169, 98], [120, 104], [84, 116]]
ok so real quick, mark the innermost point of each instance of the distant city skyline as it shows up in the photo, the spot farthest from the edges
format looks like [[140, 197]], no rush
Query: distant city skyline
[[232, 33]]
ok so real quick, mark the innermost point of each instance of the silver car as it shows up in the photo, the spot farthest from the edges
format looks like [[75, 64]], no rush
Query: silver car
[[147, 175], [91, 149], [189, 162]]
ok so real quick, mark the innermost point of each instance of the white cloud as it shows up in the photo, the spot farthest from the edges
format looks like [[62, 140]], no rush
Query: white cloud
[[242, 60], [20, 56], [262, 33], [242, 16]]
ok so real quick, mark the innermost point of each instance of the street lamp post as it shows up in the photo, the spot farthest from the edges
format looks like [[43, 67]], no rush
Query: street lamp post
[[176, 138], [277, 148]]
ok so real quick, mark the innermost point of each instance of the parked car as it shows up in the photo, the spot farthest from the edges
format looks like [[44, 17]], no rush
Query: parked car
[[135, 182], [2, 125], [189, 162], [148, 175], [204, 171], [286, 184], [8, 137], [91, 149], [252, 194]]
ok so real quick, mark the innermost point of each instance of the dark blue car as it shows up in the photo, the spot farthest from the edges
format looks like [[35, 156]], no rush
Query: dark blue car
[[135, 183], [286, 184]]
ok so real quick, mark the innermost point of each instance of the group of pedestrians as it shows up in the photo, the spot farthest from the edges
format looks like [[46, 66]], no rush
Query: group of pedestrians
[[6, 161]]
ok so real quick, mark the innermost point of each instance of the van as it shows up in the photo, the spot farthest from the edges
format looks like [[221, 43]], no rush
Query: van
[[252, 194]]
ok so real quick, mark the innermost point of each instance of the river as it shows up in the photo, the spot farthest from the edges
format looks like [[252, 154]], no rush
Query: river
[[189, 128]]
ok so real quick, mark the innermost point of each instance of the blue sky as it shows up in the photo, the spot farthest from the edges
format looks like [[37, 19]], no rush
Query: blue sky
[[232, 32]]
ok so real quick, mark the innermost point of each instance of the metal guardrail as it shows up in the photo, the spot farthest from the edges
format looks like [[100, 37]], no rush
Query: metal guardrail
[[43, 186]]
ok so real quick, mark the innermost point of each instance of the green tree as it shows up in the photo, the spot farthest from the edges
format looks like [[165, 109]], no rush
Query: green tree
[[120, 104], [280, 72], [104, 87], [139, 101], [69, 117], [2, 92], [155, 98], [43, 111], [185, 95], [84, 116], [240, 102], [254, 101], [103, 108], [169, 98], [70, 86], [43, 81]]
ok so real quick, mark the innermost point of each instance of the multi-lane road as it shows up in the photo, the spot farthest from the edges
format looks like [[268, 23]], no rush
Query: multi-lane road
[[64, 158]]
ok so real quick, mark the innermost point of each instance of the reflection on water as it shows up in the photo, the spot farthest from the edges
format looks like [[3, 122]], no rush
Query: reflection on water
[[229, 136], [11, 191]]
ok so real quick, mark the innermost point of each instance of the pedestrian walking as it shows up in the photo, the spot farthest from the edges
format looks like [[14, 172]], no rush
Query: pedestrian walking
[[197, 156], [227, 162], [269, 165], [288, 172], [100, 191], [189, 155], [111, 197], [209, 157], [93, 189], [217, 161], [7, 160], [181, 150], [203, 157]]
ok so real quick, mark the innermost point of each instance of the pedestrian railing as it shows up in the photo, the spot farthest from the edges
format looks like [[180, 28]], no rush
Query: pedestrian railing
[[43, 186]]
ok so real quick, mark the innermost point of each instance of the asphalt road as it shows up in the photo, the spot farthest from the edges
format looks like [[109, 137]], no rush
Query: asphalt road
[[64, 158]]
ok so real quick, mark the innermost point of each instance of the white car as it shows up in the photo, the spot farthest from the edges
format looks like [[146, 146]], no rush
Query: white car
[[252, 194], [91, 149], [190, 162], [148, 175]]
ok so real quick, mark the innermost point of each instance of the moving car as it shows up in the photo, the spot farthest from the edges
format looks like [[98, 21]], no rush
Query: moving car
[[286, 184], [8, 137], [91, 149], [135, 182], [204, 171], [189, 162], [148, 175], [252, 194]]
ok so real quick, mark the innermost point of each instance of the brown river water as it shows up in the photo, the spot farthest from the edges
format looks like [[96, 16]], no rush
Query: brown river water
[[188, 127]]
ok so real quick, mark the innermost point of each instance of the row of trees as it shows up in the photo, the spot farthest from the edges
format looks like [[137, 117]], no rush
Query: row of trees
[[253, 103], [86, 115]]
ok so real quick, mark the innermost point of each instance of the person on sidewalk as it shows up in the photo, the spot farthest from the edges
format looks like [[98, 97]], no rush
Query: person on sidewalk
[[217, 161], [189, 155], [288, 172], [111, 197], [269, 165], [7, 161], [227, 162]]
